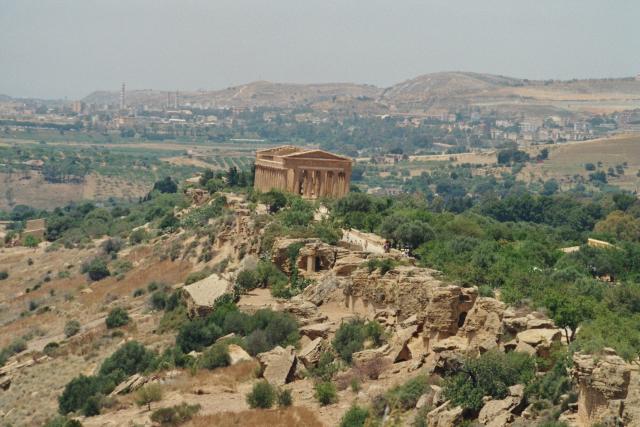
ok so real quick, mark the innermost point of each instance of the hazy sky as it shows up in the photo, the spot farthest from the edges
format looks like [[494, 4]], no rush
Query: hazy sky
[[68, 48]]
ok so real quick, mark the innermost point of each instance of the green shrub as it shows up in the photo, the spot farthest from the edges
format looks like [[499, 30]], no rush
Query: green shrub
[[117, 317], [169, 222], [196, 276], [197, 334], [385, 265], [326, 393], [16, 346], [50, 348], [216, 356], [96, 269], [131, 358], [112, 246], [71, 328], [92, 406], [121, 266], [354, 417], [257, 342], [351, 335], [489, 375], [262, 395], [77, 391], [326, 367], [148, 394], [4, 274], [406, 396], [31, 241], [174, 415], [158, 300], [246, 280], [62, 421], [284, 398], [556, 423], [553, 383], [138, 236], [139, 292]]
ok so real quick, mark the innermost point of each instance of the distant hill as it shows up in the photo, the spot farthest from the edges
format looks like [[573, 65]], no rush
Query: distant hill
[[255, 94], [444, 90]]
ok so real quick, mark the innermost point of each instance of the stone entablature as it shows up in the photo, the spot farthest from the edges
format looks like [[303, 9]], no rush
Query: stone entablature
[[309, 173]]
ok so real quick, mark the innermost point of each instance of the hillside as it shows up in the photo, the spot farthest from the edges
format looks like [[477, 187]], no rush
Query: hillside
[[255, 94], [429, 91]]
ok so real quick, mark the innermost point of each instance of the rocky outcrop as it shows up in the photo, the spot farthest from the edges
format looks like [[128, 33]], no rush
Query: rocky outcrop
[[603, 384], [538, 342], [278, 365], [237, 354], [321, 289], [131, 384], [499, 413], [198, 195], [300, 308], [315, 330], [280, 254], [310, 354], [444, 416], [447, 310], [347, 263], [201, 296], [407, 289], [483, 325]]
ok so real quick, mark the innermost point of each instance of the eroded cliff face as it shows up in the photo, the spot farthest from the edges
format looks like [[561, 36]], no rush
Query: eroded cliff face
[[436, 325], [603, 385]]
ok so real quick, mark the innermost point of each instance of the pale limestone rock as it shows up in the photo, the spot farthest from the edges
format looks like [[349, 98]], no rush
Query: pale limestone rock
[[132, 383], [365, 356], [237, 354], [535, 337], [321, 290], [278, 365], [540, 324], [483, 325], [498, 413], [310, 353], [399, 344], [347, 264], [443, 416], [603, 384], [301, 309], [316, 330], [523, 347]]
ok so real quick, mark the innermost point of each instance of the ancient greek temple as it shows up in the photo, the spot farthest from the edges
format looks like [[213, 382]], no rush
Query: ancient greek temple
[[309, 173]]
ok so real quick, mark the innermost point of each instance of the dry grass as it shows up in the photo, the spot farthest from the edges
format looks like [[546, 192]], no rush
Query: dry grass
[[228, 377], [294, 416]]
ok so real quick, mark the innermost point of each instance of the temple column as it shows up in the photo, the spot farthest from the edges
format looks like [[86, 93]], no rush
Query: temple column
[[323, 183], [305, 183], [309, 191], [295, 186], [307, 187], [345, 185]]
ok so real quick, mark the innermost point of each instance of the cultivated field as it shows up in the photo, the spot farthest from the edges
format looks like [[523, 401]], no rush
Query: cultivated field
[[567, 160]]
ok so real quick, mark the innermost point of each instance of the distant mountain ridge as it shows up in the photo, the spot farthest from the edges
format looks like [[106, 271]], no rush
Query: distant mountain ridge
[[428, 91]]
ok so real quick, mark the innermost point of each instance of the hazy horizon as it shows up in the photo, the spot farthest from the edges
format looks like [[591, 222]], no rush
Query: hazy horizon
[[70, 48]]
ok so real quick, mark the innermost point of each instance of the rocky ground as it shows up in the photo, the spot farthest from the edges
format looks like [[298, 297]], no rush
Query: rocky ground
[[431, 327]]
